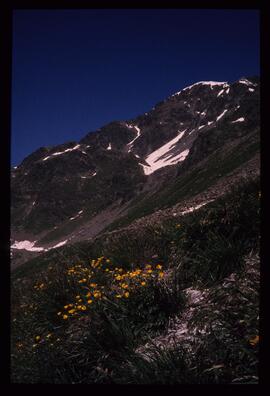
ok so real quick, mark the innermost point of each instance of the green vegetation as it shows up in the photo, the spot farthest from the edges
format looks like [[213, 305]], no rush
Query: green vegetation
[[83, 313], [193, 182]]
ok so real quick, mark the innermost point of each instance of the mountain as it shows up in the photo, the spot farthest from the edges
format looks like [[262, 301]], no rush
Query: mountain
[[135, 251], [185, 151]]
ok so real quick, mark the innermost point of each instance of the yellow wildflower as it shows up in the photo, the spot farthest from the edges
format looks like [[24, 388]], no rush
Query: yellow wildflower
[[124, 286], [82, 280], [37, 338], [143, 283], [89, 301], [83, 308], [126, 294], [118, 296], [108, 261], [254, 341], [65, 316], [71, 311], [59, 313], [78, 297], [161, 275], [49, 335], [159, 266], [66, 307]]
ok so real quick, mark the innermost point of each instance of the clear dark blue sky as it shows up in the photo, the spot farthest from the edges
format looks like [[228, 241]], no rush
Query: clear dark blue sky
[[76, 70]]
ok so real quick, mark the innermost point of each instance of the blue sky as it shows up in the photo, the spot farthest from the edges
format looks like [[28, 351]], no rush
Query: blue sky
[[76, 70]]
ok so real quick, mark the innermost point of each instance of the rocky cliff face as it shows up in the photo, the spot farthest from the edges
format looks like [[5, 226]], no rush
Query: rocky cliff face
[[75, 190]]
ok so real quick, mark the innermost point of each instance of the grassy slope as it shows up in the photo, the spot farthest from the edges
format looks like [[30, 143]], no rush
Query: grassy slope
[[198, 250], [193, 182]]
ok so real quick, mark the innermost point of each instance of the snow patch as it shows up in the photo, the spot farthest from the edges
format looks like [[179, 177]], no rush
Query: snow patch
[[58, 244], [209, 83], [130, 144], [61, 152], [246, 82], [241, 119], [109, 147], [220, 92], [26, 245], [86, 177], [227, 90], [210, 122], [221, 115], [251, 90], [77, 215], [192, 208], [200, 127]]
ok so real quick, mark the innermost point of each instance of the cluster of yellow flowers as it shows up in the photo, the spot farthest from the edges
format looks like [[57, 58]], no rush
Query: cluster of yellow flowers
[[41, 339], [39, 286], [254, 341], [119, 283], [81, 272]]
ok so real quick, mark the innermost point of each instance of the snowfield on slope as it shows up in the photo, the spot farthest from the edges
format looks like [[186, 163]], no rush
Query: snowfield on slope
[[157, 158], [26, 245], [30, 246]]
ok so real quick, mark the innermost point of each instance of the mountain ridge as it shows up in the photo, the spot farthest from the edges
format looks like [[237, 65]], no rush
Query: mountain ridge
[[62, 188]]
